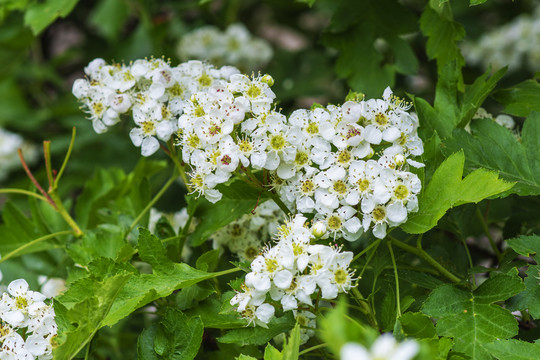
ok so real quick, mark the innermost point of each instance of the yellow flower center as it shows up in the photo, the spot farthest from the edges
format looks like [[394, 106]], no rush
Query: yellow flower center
[[401, 192], [301, 158], [271, 265], [334, 223], [205, 80], [340, 187], [21, 302], [340, 276], [379, 213], [381, 119], [344, 156], [148, 127], [363, 184], [312, 128], [253, 91], [277, 142], [307, 187]]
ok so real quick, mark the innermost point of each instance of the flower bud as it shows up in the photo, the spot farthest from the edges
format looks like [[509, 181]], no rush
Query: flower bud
[[268, 80], [318, 229], [399, 159]]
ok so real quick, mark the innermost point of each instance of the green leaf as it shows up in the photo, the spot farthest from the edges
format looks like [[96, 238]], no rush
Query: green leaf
[[177, 337], [258, 335], [208, 261], [494, 147], [447, 189], [417, 325], [191, 296], [212, 316], [525, 245], [145, 344], [41, 14], [107, 240], [238, 199], [514, 349], [477, 2], [471, 318], [521, 99], [290, 347], [271, 353], [21, 235], [443, 35], [354, 29], [88, 315]]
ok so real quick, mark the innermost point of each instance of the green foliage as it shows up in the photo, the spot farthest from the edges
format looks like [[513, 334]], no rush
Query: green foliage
[[493, 147], [447, 189], [237, 201], [175, 338], [521, 99], [354, 29], [258, 335], [41, 14], [514, 349], [472, 318]]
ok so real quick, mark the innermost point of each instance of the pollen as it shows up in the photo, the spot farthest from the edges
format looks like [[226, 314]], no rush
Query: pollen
[[245, 146], [334, 223], [340, 187], [401, 192], [271, 265], [176, 90], [363, 184], [312, 128], [253, 91], [344, 156], [21, 302], [381, 119], [226, 160], [214, 130], [148, 127], [277, 142], [379, 213], [301, 158], [307, 187], [205, 80], [97, 108], [341, 276], [193, 141]]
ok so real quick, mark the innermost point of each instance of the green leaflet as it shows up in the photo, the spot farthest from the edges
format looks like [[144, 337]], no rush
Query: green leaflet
[[258, 335], [447, 189], [471, 318], [521, 99], [528, 299], [514, 349], [493, 147], [175, 338]]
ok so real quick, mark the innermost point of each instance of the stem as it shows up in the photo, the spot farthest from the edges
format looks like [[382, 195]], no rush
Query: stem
[[151, 203], [373, 244], [181, 169], [24, 192], [368, 261], [48, 166], [33, 179], [320, 346], [470, 260], [396, 276], [183, 236], [488, 233], [66, 158], [226, 272], [280, 203], [424, 255], [63, 212], [33, 242]]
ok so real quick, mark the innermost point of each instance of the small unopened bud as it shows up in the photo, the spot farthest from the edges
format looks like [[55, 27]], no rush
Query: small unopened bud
[[268, 80], [318, 229], [399, 159]]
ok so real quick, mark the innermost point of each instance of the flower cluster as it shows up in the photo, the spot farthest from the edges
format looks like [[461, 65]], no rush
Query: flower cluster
[[23, 311], [9, 158], [235, 46], [384, 348], [151, 92], [512, 44], [353, 156], [348, 163], [292, 272], [245, 236]]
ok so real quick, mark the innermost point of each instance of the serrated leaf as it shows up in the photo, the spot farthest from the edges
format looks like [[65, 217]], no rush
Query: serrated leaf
[[521, 99], [291, 346], [41, 14], [145, 344], [525, 245], [89, 315], [181, 336], [494, 147], [447, 189], [443, 34], [258, 335], [271, 353], [471, 318], [513, 349]]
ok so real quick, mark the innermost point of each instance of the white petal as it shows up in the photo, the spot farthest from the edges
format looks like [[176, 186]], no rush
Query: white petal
[[396, 212], [149, 146], [283, 279]]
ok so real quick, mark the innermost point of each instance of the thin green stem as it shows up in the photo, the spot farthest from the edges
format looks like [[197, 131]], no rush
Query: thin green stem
[[396, 276], [488, 233], [469, 258], [370, 257], [183, 236], [66, 158], [424, 255], [181, 168], [24, 192], [152, 202], [316, 347], [32, 243], [373, 244], [65, 214], [33, 179], [280, 203], [225, 272]]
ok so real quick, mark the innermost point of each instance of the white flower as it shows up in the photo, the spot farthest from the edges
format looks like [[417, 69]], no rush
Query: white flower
[[384, 348]]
